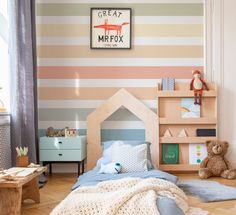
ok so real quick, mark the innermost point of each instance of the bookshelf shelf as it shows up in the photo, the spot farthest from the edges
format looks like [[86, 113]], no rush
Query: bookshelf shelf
[[179, 167], [187, 121], [184, 94], [169, 111], [166, 140]]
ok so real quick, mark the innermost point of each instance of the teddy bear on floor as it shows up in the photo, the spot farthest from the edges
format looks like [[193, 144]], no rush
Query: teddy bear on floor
[[215, 164]]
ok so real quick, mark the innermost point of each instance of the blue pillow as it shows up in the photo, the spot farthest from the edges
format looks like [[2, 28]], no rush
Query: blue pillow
[[107, 144]]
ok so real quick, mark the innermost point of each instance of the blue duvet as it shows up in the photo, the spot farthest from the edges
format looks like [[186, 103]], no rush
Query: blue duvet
[[165, 205]]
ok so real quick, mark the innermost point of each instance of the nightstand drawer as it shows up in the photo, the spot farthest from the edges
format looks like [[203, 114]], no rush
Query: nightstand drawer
[[62, 142], [61, 155]]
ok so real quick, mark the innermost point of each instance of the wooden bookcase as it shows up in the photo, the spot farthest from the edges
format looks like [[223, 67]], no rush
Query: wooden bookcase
[[169, 104]]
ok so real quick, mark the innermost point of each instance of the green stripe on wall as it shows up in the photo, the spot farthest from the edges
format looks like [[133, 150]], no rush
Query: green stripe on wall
[[80, 114], [113, 134], [137, 9]]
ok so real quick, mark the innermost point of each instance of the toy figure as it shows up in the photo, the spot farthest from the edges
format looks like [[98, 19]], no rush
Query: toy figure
[[50, 132], [197, 85], [112, 168]]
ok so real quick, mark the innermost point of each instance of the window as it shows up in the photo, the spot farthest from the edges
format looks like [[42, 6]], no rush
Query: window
[[4, 71]]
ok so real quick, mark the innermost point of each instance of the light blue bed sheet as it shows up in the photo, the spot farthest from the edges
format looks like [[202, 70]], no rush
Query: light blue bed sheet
[[165, 205], [93, 177]]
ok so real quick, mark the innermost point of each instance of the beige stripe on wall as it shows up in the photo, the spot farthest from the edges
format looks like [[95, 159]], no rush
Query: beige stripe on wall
[[135, 52]]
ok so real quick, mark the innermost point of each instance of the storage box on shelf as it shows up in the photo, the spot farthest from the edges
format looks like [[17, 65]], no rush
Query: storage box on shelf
[[63, 150], [169, 103]]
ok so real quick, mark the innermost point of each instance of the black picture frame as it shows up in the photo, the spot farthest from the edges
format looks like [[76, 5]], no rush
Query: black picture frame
[[111, 38]]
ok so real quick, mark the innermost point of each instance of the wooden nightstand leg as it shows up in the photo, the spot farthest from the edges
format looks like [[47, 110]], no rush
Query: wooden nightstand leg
[[10, 201], [79, 168], [44, 164], [50, 168], [31, 191], [83, 167]]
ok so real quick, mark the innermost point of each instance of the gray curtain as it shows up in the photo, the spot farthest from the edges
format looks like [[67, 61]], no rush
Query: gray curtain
[[23, 101]]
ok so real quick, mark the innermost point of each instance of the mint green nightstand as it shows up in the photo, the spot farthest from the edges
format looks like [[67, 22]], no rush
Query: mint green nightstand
[[63, 150]]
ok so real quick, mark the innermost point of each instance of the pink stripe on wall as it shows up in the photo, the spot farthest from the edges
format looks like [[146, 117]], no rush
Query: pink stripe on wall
[[73, 72]]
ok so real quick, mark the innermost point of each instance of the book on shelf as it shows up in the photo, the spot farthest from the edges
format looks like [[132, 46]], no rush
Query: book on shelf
[[197, 152], [170, 153], [168, 84], [206, 132], [189, 109], [20, 171]]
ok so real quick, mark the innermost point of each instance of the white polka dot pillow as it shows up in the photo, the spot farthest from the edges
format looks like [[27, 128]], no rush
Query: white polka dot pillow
[[131, 158]]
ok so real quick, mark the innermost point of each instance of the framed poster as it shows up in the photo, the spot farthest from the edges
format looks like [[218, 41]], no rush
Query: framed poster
[[110, 28]]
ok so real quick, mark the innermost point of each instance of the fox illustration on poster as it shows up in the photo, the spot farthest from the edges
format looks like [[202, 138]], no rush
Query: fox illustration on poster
[[110, 28]]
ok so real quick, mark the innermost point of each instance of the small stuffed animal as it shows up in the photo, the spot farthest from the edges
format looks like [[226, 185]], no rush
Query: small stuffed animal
[[215, 164], [63, 131], [70, 132], [197, 85], [50, 132], [112, 168], [58, 133]]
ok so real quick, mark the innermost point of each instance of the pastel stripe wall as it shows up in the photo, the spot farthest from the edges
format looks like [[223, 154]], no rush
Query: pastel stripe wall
[[73, 80]]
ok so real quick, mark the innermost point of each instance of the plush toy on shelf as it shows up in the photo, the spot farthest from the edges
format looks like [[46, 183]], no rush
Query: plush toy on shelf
[[197, 85]]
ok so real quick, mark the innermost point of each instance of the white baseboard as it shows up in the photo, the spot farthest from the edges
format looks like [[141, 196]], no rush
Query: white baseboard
[[231, 154]]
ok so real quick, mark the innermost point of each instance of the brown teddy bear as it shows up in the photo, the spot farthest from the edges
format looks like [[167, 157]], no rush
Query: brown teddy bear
[[50, 132], [215, 164]]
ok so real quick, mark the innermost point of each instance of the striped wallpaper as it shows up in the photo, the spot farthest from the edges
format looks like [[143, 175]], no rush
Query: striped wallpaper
[[167, 41]]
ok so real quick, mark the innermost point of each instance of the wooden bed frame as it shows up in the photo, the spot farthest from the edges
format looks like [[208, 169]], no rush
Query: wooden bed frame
[[121, 99]]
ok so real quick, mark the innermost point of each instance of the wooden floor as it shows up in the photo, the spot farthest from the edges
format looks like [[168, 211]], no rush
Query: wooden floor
[[59, 185]]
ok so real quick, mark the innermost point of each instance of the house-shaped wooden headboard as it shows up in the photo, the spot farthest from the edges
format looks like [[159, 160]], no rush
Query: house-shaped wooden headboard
[[127, 100]]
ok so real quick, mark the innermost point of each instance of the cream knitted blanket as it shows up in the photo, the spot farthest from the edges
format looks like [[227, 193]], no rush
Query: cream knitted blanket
[[126, 196]]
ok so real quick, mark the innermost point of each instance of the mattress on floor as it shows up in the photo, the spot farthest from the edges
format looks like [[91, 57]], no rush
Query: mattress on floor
[[165, 205]]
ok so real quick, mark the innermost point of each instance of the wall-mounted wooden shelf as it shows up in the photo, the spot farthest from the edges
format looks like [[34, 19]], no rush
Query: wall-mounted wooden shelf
[[169, 111], [167, 140], [185, 94], [187, 121], [179, 167]]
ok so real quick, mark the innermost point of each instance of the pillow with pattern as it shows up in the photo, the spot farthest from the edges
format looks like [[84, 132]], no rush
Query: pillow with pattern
[[106, 157], [131, 158]]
